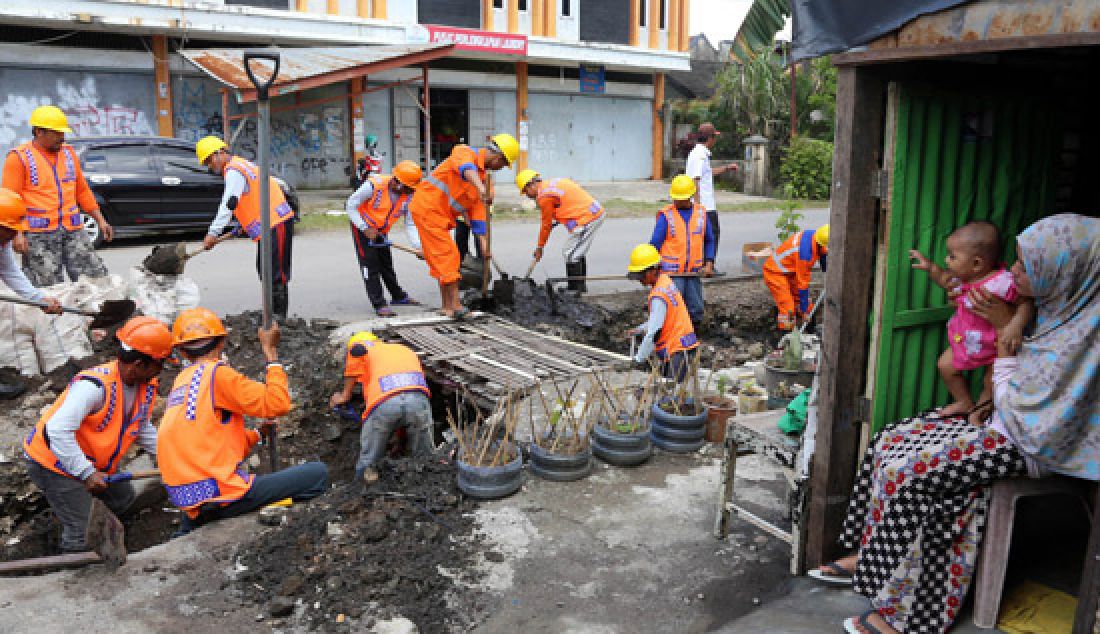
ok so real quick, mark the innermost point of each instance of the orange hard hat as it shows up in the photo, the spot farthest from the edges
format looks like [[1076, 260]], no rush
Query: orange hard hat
[[13, 211], [146, 335], [197, 323], [407, 173]]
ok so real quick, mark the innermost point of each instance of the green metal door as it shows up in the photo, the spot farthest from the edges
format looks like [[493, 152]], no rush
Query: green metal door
[[957, 157]]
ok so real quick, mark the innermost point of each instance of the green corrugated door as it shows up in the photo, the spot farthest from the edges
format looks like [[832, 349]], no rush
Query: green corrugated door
[[958, 157]]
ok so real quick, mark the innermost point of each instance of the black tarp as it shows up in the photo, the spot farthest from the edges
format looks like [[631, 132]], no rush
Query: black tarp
[[821, 27]]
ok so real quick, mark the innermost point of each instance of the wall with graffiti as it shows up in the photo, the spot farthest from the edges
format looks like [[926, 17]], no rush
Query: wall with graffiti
[[310, 146], [96, 103]]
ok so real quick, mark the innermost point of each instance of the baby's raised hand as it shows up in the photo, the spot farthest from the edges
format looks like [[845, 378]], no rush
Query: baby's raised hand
[[920, 262]]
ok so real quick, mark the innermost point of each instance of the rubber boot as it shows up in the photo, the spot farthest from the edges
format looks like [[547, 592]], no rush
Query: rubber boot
[[280, 301], [575, 269], [582, 285]]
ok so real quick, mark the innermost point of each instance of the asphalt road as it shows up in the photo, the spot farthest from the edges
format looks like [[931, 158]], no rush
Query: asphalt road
[[326, 282]]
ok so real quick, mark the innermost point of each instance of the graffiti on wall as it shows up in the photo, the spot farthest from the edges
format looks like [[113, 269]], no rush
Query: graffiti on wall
[[89, 114], [198, 109]]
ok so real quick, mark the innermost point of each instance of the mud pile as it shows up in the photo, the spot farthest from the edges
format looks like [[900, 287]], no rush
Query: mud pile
[[358, 555]]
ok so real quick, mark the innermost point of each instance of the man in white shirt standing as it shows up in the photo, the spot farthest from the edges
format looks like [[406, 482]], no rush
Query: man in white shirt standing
[[699, 168]]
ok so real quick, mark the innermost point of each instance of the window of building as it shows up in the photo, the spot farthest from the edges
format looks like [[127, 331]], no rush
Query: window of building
[[566, 10], [663, 14], [498, 4], [522, 4], [642, 11]]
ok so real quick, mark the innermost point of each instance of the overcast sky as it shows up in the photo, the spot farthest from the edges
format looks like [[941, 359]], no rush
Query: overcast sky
[[720, 19]]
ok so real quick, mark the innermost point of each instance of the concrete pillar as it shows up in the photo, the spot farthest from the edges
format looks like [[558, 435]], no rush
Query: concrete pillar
[[756, 166], [302, 5], [685, 25], [486, 15], [163, 88], [513, 16], [654, 23], [658, 126], [332, 7], [355, 116], [538, 15], [362, 8], [378, 9], [550, 22], [521, 114], [635, 8], [673, 25]]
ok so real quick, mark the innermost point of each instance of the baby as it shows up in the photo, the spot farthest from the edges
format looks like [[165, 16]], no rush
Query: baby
[[973, 261]]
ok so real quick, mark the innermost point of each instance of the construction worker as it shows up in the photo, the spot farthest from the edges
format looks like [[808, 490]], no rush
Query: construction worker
[[395, 395], [373, 210], [563, 202], [686, 242], [457, 188], [203, 443], [241, 198], [79, 442], [46, 172], [13, 219], [787, 273], [668, 331]]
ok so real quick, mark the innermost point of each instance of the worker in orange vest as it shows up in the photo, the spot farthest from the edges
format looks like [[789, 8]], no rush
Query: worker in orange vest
[[564, 202], [203, 445], [77, 445], [13, 219], [686, 241], [241, 199], [395, 395], [787, 273], [668, 331], [457, 188], [373, 210], [46, 172]]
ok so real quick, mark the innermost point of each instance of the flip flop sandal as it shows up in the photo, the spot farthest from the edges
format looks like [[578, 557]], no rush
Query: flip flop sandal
[[407, 301], [836, 575], [460, 314], [864, 622], [385, 311]]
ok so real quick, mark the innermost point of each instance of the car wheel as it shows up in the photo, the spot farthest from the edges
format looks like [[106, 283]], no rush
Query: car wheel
[[95, 234]]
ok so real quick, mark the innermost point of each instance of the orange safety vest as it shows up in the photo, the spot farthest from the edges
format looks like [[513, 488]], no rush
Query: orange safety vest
[[384, 207], [796, 256], [387, 369], [445, 192], [201, 449], [248, 205], [574, 206], [104, 436], [49, 190], [682, 250], [677, 334]]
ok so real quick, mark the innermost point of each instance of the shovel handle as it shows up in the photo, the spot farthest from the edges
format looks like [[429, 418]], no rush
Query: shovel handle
[[222, 238], [125, 476], [530, 269], [401, 247], [262, 87], [30, 302]]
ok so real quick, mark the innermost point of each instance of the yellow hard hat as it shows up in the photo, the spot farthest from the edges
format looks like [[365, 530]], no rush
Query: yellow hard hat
[[51, 118], [360, 342], [524, 178], [13, 211], [644, 256], [683, 187], [821, 236], [207, 146], [508, 146]]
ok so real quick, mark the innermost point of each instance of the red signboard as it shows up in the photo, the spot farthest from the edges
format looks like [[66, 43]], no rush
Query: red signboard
[[482, 41]]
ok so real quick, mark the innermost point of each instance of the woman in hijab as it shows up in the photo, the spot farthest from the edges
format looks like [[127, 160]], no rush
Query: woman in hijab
[[916, 515]]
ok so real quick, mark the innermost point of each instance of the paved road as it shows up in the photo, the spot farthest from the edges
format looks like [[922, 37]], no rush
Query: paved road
[[326, 282]]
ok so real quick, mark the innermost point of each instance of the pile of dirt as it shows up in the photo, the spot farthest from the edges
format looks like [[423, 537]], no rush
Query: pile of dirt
[[358, 555]]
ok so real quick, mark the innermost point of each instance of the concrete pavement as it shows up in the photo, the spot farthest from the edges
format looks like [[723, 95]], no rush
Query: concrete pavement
[[326, 281]]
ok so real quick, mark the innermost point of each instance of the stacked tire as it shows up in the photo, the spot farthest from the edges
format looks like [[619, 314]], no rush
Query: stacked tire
[[619, 448], [490, 483], [559, 467], [678, 433]]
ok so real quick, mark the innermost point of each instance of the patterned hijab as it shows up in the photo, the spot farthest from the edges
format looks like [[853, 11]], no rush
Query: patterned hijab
[[1052, 406]]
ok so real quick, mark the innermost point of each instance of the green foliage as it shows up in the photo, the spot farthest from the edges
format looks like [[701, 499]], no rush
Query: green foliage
[[787, 222], [807, 169]]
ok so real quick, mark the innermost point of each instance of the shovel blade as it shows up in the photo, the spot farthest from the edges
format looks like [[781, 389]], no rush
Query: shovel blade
[[113, 311], [105, 535], [504, 291]]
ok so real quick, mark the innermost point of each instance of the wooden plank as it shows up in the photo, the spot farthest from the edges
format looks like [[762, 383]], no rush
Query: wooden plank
[[1084, 622], [859, 132], [938, 51]]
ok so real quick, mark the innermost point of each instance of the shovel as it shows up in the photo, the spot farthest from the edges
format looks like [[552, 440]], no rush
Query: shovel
[[104, 535], [111, 311], [263, 131], [170, 259]]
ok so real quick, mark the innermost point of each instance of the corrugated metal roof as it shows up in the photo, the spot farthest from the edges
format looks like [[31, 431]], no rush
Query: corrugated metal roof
[[297, 65]]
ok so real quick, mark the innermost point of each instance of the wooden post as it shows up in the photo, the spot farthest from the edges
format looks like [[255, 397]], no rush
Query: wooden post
[[658, 126], [355, 109], [654, 23], [513, 16], [378, 9], [163, 89], [225, 115], [1084, 622], [844, 354], [427, 122], [521, 112], [635, 7], [486, 15]]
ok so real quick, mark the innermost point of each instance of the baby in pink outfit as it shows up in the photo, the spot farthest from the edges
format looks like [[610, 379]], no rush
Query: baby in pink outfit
[[973, 261]]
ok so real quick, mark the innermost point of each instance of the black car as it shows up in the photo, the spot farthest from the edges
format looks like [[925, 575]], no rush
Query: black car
[[151, 184]]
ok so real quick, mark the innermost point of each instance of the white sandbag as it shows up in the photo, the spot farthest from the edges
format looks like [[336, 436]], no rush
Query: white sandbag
[[161, 296]]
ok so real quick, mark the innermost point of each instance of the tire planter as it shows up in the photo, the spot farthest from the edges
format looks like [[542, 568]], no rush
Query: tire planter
[[666, 419], [490, 483], [621, 450], [659, 431], [679, 446], [559, 467], [678, 434]]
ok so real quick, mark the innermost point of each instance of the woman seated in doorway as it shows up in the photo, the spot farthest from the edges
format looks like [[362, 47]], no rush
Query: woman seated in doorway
[[916, 515]]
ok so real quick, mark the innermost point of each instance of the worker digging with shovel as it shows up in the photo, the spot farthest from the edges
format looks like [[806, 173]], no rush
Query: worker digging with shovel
[[457, 188], [668, 330], [77, 445]]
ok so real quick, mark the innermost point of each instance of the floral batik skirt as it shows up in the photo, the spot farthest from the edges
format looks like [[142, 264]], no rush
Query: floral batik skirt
[[917, 513]]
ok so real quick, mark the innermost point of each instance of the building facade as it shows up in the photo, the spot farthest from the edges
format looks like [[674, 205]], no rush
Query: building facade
[[579, 82]]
